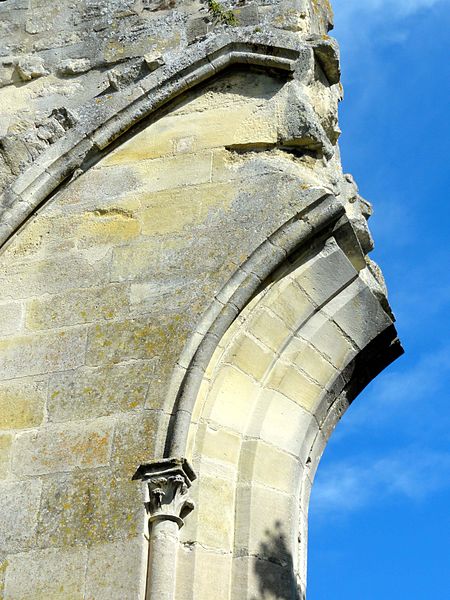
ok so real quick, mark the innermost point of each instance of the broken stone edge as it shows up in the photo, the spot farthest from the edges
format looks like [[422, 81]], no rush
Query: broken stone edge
[[99, 125]]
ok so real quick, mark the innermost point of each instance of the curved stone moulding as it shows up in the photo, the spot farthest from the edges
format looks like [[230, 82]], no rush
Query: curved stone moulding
[[102, 123], [261, 399], [322, 211]]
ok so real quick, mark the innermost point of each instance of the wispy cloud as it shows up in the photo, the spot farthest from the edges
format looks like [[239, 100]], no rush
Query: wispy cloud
[[411, 474], [390, 8], [362, 25]]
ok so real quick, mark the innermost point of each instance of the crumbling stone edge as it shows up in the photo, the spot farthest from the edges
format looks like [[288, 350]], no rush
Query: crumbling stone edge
[[97, 125]]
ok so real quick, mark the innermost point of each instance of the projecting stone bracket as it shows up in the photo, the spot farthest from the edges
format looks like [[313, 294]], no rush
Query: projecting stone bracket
[[168, 482]]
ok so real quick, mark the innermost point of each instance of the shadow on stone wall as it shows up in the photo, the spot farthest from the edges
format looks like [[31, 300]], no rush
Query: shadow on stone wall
[[275, 568]]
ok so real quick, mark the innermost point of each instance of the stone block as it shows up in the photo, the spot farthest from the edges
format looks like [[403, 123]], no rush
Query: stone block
[[52, 574], [90, 507], [194, 569], [77, 306], [254, 577], [295, 385], [19, 507], [323, 334], [61, 448], [325, 274], [107, 226], [283, 423], [167, 172], [42, 353], [22, 403], [116, 570], [133, 339], [45, 235], [135, 261], [264, 517], [219, 445], [232, 399], [5, 454], [270, 329], [91, 392], [268, 466], [291, 304], [174, 210], [171, 211], [250, 356], [147, 145], [358, 312], [11, 318], [314, 364], [215, 519], [135, 439], [53, 275]]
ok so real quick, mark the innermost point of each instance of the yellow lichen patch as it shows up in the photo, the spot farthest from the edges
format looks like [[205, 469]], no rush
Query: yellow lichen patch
[[131, 339], [77, 306], [21, 404], [87, 393], [5, 452], [3, 567], [113, 50]]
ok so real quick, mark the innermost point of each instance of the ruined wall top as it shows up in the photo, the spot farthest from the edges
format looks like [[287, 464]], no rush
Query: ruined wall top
[[60, 61]]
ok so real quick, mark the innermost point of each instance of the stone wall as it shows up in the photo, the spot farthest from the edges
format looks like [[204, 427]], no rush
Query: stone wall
[[184, 273]]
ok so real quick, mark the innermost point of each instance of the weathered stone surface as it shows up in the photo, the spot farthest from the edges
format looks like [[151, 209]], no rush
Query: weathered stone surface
[[75, 307], [267, 466], [62, 448], [19, 507], [358, 313], [95, 392], [325, 336], [185, 275], [270, 329], [42, 353], [11, 317], [22, 403], [115, 570], [200, 562], [251, 357], [133, 339], [283, 423], [135, 439], [295, 385], [232, 398], [5, 454], [89, 507], [51, 573], [215, 527], [31, 67], [50, 275]]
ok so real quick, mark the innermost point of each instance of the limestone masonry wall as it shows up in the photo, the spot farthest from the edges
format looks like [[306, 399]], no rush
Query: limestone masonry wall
[[183, 273]]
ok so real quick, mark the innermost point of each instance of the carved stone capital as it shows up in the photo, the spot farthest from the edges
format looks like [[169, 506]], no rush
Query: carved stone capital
[[168, 481]]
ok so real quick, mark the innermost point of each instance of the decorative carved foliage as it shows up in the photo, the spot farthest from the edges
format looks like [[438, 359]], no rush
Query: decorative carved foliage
[[168, 482]]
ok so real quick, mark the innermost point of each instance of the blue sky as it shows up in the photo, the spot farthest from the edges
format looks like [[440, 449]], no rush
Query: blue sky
[[380, 509]]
